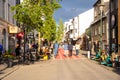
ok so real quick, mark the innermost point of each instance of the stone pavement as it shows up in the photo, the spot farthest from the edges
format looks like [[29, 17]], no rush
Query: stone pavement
[[3, 67], [84, 54], [6, 71]]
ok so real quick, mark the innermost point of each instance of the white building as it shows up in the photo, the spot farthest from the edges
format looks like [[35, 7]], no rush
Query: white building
[[74, 28], [85, 20]]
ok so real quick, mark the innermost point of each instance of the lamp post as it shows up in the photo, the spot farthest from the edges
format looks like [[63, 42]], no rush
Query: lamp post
[[101, 6]]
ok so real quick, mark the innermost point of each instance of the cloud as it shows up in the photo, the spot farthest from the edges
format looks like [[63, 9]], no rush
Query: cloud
[[72, 8]]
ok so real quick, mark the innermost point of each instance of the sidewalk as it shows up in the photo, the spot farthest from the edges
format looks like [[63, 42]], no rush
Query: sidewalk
[[8, 71], [3, 67], [84, 54]]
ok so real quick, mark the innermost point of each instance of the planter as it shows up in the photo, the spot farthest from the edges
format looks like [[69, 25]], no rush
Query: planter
[[9, 62]]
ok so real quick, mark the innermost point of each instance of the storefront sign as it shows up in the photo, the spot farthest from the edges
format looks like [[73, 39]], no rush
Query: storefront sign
[[20, 35], [13, 29]]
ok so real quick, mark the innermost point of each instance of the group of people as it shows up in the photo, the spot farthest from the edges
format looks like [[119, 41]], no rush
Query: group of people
[[68, 48]]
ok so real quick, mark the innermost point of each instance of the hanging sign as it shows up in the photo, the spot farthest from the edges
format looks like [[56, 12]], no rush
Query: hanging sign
[[13, 29], [20, 35]]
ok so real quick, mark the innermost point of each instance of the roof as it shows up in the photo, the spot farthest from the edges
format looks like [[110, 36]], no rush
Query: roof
[[96, 2]]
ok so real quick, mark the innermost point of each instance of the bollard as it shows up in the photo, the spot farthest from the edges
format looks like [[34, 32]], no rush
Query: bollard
[[88, 54]]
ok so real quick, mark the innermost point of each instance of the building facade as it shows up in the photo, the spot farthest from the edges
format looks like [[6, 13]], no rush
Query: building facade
[[119, 26], [113, 24], [99, 27], [7, 20], [75, 27]]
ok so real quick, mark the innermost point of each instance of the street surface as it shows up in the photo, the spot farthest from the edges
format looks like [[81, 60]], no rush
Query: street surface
[[61, 56], [73, 68]]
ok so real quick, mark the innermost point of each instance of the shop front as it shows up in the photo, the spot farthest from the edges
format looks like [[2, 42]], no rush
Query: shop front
[[4, 34], [7, 35]]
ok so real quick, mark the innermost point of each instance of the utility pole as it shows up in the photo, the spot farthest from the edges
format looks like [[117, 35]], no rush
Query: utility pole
[[101, 6]]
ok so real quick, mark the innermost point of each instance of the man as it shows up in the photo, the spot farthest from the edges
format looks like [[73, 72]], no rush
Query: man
[[1, 51], [70, 48], [55, 48]]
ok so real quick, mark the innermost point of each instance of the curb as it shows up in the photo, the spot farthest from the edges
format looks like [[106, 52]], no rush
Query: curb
[[8, 72], [3, 67], [106, 67]]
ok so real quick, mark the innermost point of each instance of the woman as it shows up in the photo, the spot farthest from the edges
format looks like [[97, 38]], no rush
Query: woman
[[77, 47], [66, 49], [17, 50]]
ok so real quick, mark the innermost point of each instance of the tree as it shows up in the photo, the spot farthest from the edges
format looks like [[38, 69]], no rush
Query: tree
[[60, 31], [38, 14], [88, 32]]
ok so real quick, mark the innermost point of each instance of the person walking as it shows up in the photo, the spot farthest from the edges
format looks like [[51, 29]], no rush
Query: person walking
[[55, 46], [77, 47], [70, 48], [17, 50], [1, 51], [65, 49]]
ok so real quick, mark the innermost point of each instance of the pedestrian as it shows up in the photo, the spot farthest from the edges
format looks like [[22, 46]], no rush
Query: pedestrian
[[55, 46], [17, 50], [70, 48], [51, 47], [1, 51], [96, 47], [77, 47], [65, 49]]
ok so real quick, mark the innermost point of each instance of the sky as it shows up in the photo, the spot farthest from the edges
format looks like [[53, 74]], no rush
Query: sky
[[72, 8]]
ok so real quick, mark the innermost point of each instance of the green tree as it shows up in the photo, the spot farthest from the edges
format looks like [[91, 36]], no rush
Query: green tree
[[88, 32], [60, 31], [38, 14]]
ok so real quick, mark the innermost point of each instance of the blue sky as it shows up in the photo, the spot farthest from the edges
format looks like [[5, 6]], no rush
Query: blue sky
[[72, 8]]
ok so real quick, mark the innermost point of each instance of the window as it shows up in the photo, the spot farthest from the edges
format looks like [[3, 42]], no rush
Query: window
[[69, 27], [112, 5], [116, 4], [4, 9], [95, 12], [95, 31], [75, 30], [99, 30], [8, 12], [113, 33], [103, 27]]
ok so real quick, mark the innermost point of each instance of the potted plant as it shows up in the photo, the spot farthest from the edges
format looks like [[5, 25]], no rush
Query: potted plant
[[9, 57]]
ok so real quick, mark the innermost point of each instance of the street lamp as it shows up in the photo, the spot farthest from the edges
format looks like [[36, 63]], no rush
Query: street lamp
[[101, 6]]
